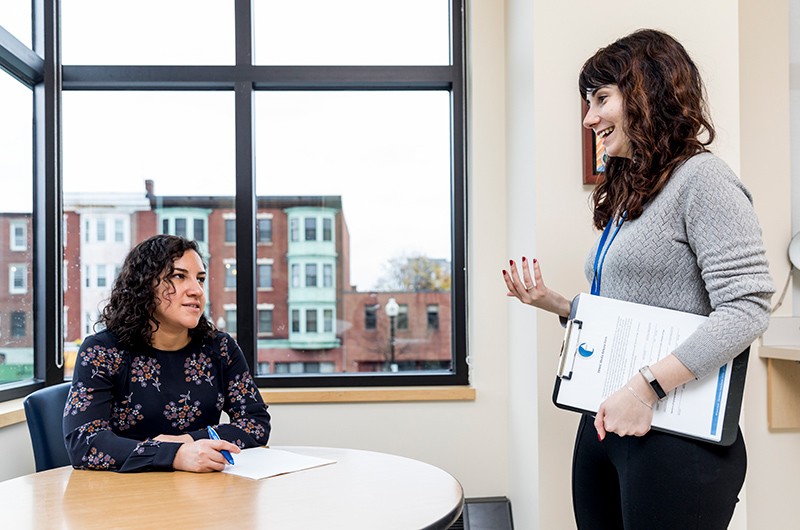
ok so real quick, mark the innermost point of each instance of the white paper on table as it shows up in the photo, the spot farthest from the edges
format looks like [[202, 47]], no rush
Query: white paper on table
[[263, 462]]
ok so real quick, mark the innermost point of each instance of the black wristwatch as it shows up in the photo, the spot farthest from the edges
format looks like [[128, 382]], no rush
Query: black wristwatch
[[650, 378]]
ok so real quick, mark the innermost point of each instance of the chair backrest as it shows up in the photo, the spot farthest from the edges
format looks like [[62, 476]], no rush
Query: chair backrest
[[44, 411]]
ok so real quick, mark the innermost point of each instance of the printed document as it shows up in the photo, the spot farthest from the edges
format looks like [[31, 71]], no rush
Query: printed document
[[263, 462], [606, 343]]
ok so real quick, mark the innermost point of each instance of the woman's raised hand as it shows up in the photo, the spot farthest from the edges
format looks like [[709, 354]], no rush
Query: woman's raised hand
[[529, 288]]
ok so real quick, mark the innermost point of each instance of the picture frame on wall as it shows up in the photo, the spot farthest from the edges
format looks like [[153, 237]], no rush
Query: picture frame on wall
[[593, 153]]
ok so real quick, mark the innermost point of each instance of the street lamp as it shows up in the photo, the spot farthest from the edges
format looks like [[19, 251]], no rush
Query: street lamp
[[392, 309]]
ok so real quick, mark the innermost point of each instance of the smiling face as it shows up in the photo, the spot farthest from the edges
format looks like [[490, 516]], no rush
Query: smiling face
[[606, 117], [180, 300]]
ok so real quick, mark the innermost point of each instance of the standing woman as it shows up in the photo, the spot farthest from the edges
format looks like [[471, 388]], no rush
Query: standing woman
[[146, 389], [681, 233]]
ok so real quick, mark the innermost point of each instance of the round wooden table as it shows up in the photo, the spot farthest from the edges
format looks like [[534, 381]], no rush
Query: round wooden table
[[362, 490]]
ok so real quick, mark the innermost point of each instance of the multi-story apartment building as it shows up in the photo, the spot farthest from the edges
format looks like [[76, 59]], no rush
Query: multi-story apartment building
[[309, 319], [16, 296]]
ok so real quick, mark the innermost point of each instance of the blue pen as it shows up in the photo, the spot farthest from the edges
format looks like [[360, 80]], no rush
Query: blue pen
[[214, 436]]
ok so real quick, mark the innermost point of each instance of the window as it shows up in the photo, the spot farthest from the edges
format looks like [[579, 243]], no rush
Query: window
[[215, 151], [264, 275], [370, 317], [311, 274], [18, 326], [402, 316], [199, 228], [311, 229], [265, 321], [327, 275], [19, 235], [264, 230], [311, 320], [230, 274], [433, 317], [101, 230], [17, 278], [165, 227], [180, 227], [119, 231], [327, 229], [230, 321], [230, 230], [327, 319], [295, 321], [102, 280]]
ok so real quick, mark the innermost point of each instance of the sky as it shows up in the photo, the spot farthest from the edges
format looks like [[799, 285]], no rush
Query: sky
[[385, 153]]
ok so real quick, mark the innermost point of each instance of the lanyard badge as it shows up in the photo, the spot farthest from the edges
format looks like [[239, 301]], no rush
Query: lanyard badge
[[602, 250]]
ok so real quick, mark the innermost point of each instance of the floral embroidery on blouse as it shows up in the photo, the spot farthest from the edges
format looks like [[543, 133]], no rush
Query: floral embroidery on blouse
[[87, 431], [183, 415], [80, 397], [146, 370], [102, 359], [247, 424], [140, 447], [220, 401], [125, 415], [98, 460], [198, 368], [223, 350], [241, 388]]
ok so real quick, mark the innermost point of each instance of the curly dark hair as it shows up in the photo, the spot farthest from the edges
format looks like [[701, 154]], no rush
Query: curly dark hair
[[130, 312], [665, 111]]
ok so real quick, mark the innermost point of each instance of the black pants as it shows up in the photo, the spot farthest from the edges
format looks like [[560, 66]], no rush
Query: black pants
[[657, 481]]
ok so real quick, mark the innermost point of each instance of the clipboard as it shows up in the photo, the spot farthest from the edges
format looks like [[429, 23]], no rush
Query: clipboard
[[606, 341]]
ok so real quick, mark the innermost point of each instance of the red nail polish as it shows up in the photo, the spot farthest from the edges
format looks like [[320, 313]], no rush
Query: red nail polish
[[599, 439], [534, 260], [504, 272], [511, 262], [523, 259]]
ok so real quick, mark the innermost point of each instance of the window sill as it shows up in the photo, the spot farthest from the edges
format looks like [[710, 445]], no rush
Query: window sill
[[11, 412]]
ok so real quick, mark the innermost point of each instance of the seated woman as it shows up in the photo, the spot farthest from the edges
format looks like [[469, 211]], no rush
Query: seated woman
[[146, 388]]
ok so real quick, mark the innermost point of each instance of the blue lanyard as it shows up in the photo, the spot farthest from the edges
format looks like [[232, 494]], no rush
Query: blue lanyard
[[602, 250]]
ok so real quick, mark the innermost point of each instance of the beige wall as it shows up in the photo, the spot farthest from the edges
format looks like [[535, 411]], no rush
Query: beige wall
[[525, 198]]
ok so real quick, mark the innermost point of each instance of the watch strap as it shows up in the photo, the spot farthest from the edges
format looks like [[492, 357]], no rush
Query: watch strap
[[652, 381]]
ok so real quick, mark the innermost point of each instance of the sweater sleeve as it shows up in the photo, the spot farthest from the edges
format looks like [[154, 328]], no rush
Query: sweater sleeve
[[90, 441], [723, 232], [249, 420]]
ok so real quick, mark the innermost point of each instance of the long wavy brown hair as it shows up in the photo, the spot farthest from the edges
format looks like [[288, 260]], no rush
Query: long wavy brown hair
[[130, 311], [665, 115]]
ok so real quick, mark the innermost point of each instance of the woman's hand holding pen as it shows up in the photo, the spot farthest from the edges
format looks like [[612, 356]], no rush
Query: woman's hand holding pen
[[201, 456], [530, 288]]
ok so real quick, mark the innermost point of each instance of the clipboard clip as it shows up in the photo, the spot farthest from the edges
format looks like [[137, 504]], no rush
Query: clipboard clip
[[569, 349]]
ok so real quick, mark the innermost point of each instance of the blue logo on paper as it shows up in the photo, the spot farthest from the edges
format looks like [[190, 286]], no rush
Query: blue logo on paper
[[585, 352]]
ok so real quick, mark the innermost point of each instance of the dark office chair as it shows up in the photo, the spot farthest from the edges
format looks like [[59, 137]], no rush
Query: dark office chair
[[44, 411]]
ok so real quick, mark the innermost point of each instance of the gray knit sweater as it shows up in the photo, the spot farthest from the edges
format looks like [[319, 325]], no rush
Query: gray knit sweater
[[696, 248]]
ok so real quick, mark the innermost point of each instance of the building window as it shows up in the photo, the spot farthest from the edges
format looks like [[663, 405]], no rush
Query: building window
[[199, 228], [101, 230], [402, 316], [311, 320], [327, 321], [370, 317], [230, 321], [18, 324], [295, 275], [265, 321], [295, 321], [311, 229], [165, 226], [180, 227], [264, 275], [433, 316], [264, 230], [119, 231], [19, 236], [17, 278], [230, 230], [311, 274], [294, 229], [327, 229], [327, 275], [230, 274], [102, 279]]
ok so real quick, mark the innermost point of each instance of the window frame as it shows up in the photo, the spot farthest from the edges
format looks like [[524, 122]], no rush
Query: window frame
[[40, 69]]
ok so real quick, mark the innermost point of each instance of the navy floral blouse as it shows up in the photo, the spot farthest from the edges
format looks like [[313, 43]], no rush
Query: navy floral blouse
[[121, 399]]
